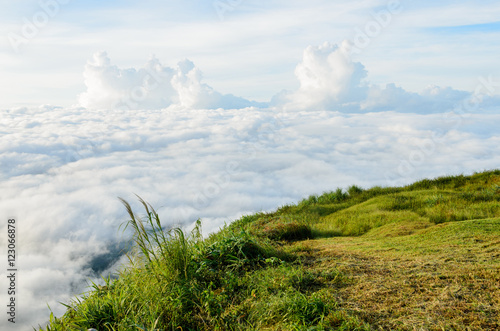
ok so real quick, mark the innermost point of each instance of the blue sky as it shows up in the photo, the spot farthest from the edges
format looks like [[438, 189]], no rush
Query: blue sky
[[490, 27], [249, 49]]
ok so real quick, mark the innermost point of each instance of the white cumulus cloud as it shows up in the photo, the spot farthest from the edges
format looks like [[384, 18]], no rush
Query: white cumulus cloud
[[152, 87], [331, 80]]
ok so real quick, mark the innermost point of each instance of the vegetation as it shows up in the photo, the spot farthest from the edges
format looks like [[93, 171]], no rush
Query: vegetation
[[421, 257]]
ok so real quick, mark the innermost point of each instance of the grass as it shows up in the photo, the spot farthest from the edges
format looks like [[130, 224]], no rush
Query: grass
[[421, 257]]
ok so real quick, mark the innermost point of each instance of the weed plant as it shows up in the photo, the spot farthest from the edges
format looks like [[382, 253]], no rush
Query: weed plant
[[175, 281]]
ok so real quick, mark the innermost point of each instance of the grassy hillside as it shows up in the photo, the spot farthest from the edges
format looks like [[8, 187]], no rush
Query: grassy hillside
[[421, 257]]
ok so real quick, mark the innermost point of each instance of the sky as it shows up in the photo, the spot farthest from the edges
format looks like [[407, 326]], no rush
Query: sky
[[216, 109], [243, 47]]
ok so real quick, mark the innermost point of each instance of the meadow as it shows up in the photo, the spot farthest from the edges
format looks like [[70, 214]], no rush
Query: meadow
[[425, 256]]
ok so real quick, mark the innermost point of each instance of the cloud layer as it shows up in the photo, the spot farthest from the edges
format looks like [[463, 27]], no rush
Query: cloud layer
[[63, 169]]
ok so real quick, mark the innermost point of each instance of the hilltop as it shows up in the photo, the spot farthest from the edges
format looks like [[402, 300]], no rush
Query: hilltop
[[423, 256]]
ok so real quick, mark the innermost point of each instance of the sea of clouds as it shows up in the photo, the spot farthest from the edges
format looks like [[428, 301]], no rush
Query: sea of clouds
[[193, 152]]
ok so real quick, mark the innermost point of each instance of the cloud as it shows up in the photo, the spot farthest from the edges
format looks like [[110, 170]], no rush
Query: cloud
[[328, 77], [152, 87], [330, 80], [433, 99]]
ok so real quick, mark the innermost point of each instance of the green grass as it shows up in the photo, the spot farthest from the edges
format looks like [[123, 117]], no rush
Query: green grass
[[424, 256]]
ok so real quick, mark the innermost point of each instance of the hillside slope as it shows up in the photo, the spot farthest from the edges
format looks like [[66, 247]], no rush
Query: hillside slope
[[425, 256]]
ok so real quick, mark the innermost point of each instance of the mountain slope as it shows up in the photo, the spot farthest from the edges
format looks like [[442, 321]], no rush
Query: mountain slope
[[423, 256]]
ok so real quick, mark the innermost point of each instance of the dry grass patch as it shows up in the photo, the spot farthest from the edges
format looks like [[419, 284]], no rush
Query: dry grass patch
[[446, 277]]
